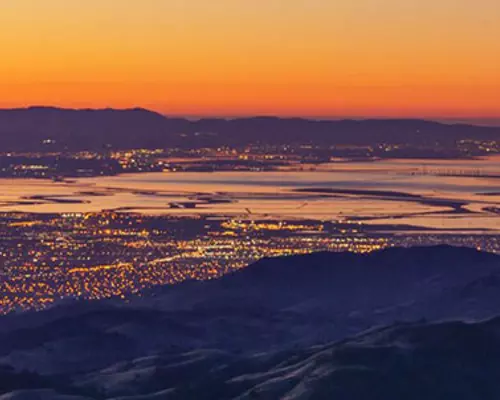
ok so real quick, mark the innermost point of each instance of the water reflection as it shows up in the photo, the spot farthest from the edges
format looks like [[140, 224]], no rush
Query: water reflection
[[451, 194]]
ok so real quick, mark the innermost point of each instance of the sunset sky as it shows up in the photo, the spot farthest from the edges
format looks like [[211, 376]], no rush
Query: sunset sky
[[328, 58]]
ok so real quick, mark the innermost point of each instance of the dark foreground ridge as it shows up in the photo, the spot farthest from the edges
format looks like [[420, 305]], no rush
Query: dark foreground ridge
[[286, 327], [26, 129]]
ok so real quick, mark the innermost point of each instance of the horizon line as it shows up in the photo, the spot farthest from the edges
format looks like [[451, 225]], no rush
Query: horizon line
[[492, 121]]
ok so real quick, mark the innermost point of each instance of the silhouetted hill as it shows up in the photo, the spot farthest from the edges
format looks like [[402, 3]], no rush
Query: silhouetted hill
[[85, 129], [283, 327], [404, 361], [26, 129], [273, 303], [435, 361]]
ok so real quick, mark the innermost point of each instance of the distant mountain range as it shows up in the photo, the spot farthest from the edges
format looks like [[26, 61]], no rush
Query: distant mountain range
[[325, 325], [27, 129]]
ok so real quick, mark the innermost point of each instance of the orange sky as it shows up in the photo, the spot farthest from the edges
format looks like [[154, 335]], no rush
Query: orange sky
[[427, 58]]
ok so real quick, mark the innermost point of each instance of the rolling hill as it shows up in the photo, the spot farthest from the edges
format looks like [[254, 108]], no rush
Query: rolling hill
[[28, 128]]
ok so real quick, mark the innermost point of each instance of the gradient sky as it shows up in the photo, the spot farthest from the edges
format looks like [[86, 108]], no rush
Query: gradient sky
[[427, 58]]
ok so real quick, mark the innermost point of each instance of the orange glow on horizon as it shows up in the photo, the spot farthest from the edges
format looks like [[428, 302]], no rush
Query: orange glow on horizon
[[231, 57]]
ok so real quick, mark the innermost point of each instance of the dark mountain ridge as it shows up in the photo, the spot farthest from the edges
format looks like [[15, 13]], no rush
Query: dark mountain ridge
[[284, 327], [449, 360], [27, 128], [276, 303]]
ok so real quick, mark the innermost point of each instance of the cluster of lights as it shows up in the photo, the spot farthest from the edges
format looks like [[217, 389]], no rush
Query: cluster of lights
[[101, 255], [46, 258]]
